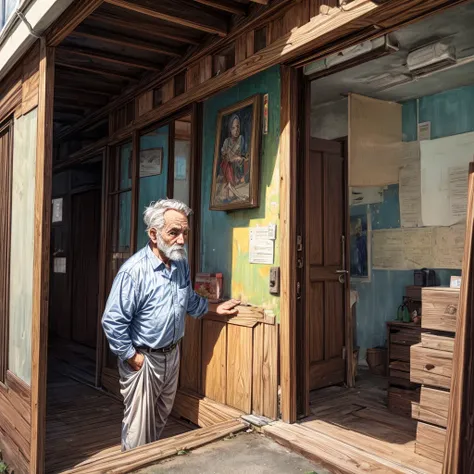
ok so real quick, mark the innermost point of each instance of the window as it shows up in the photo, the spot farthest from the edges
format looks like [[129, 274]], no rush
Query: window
[[6, 147], [7, 7]]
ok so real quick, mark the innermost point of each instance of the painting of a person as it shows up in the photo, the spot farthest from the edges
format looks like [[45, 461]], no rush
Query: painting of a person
[[234, 164]]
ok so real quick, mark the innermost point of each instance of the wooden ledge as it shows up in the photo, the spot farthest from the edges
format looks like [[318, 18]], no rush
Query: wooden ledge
[[248, 316]]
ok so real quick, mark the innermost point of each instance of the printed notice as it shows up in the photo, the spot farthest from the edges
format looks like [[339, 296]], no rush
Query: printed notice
[[410, 187], [388, 249], [58, 210], [458, 177], [261, 247]]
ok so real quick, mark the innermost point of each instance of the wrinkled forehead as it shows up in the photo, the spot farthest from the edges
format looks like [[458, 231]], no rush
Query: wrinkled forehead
[[176, 220]]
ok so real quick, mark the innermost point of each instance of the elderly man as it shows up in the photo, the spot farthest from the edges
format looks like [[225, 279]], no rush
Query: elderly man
[[144, 321]]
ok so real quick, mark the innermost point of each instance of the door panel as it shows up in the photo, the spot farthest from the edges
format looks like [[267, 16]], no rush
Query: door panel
[[85, 266], [325, 216]]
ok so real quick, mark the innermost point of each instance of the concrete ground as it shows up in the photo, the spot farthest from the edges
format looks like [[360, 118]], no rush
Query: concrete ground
[[249, 453]]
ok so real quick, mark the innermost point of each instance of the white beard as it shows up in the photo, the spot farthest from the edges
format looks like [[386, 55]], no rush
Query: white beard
[[172, 252]]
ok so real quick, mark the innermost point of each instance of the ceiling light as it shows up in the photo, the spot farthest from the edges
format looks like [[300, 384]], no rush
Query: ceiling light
[[431, 57]]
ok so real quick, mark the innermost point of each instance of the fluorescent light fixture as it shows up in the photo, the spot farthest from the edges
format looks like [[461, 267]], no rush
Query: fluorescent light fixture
[[387, 79], [432, 57], [350, 57]]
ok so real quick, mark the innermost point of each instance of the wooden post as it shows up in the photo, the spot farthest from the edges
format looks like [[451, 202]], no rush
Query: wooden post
[[287, 159], [458, 451], [42, 226]]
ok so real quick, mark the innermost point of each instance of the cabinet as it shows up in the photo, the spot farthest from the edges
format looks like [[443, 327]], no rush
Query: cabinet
[[401, 390]]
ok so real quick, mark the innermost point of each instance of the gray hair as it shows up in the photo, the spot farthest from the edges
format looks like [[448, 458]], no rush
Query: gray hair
[[154, 215]]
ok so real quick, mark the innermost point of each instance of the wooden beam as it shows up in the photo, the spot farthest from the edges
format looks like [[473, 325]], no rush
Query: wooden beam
[[105, 36], [261, 2], [225, 5], [42, 225], [156, 13], [111, 58], [69, 21], [85, 99], [458, 454], [142, 27], [103, 72], [287, 160], [77, 90]]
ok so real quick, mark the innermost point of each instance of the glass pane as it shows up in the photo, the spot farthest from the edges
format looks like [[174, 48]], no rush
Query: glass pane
[[125, 155], [22, 245], [182, 159], [121, 215], [153, 182]]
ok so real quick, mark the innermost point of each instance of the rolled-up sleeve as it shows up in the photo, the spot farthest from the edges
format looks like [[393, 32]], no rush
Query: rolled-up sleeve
[[197, 305], [118, 315]]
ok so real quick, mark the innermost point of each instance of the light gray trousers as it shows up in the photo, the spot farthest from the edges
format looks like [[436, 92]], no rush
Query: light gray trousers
[[148, 396]]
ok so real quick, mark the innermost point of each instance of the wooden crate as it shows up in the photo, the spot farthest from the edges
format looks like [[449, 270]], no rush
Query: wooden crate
[[440, 342], [433, 406], [440, 307], [430, 366], [430, 441]]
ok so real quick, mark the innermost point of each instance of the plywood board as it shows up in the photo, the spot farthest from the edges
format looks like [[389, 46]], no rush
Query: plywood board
[[239, 368], [214, 360], [375, 141]]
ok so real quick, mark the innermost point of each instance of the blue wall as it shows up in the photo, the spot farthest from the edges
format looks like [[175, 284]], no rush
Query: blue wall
[[450, 113], [225, 235]]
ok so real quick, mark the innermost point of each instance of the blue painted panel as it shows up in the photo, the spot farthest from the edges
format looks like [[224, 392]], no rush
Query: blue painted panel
[[224, 245], [152, 188]]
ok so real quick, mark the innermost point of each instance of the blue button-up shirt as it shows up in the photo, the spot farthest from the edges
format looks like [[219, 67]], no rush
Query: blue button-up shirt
[[148, 303]]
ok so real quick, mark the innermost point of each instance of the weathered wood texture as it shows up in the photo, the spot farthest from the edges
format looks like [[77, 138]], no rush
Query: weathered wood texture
[[42, 215], [430, 366], [83, 425], [433, 406], [351, 431], [15, 423], [440, 308], [287, 160], [233, 360], [459, 452], [430, 441]]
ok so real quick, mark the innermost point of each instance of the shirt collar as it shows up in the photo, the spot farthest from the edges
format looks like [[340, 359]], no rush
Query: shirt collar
[[156, 261]]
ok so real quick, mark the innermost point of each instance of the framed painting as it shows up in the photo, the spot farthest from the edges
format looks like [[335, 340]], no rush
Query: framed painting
[[360, 247], [235, 171], [151, 162]]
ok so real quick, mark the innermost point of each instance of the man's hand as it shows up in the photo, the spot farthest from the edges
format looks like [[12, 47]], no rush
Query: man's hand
[[228, 308], [136, 361]]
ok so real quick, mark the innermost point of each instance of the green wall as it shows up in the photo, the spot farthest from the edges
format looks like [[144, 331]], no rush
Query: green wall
[[224, 236]]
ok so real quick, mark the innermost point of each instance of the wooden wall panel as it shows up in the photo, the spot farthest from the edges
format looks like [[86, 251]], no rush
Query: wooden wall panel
[[15, 424], [191, 355], [145, 102], [257, 379], [193, 76], [239, 367], [269, 372], [214, 360], [167, 91], [30, 86]]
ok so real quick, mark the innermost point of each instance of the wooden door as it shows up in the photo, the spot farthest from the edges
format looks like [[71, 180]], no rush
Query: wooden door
[[85, 229], [325, 278]]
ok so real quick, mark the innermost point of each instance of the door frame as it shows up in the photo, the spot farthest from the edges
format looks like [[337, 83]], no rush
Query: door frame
[[294, 145]]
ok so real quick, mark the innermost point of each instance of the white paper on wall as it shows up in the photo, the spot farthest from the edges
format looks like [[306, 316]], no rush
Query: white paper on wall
[[448, 246], [442, 190], [410, 249], [387, 249], [410, 186]]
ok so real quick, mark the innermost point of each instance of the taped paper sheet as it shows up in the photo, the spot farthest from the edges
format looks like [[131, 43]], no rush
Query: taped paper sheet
[[410, 186], [375, 141], [443, 187], [366, 196], [410, 249]]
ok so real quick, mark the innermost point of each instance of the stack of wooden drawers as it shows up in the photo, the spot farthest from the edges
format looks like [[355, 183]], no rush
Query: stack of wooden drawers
[[431, 366], [401, 391]]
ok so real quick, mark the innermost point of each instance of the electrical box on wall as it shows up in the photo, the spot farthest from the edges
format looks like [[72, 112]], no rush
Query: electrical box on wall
[[274, 283]]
